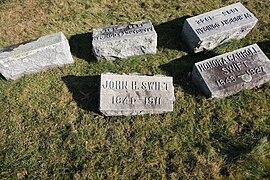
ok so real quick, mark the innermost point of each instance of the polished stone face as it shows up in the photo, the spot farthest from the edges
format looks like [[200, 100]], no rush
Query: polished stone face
[[121, 41], [208, 30], [232, 72], [135, 94], [34, 56]]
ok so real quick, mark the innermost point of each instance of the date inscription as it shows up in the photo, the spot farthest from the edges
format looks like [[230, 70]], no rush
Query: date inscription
[[233, 78], [128, 100]]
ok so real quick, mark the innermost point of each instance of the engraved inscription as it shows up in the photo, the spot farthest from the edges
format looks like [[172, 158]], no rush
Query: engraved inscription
[[124, 86], [234, 68], [227, 74], [152, 100], [136, 85], [115, 85], [123, 30], [226, 80], [256, 70], [231, 58], [123, 100], [230, 11], [205, 19], [211, 23], [135, 94], [248, 74]]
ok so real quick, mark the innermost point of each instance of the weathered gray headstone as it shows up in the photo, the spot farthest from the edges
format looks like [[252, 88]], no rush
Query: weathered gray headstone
[[121, 41], [208, 30], [34, 56], [232, 72], [135, 94]]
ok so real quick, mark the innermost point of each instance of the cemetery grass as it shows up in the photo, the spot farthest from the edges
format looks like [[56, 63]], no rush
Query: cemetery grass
[[50, 127]]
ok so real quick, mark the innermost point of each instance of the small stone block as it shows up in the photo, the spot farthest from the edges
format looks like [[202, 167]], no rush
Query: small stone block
[[122, 41], [208, 30], [135, 94], [34, 56], [232, 72]]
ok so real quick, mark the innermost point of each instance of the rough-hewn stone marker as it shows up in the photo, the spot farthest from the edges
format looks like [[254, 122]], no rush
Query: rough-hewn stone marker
[[208, 30], [232, 72], [135, 94], [35, 55], [121, 41]]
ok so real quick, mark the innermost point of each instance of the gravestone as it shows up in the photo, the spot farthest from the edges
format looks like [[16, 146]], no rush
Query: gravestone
[[135, 94], [121, 41], [208, 30], [232, 72], [34, 56]]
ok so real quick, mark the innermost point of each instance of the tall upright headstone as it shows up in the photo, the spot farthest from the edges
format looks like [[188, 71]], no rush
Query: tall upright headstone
[[34, 56], [232, 72], [122, 41], [208, 30], [135, 94]]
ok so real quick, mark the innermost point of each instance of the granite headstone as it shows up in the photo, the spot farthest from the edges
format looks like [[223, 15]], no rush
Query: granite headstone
[[135, 94], [232, 72], [34, 56], [122, 41], [208, 30]]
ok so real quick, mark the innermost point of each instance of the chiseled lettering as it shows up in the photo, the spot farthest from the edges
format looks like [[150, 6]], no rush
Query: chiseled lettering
[[203, 20], [122, 32], [231, 11], [152, 100], [124, 100], [212, 64], [207, 28], [247, 15], [115, 85], [231, 58], [150, 86], [232, 20], [234, 67], [134, 85]]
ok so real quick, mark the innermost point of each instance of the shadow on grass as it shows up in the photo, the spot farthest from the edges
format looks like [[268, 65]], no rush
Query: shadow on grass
[[81, 46], [180, 69], [265, 46], [2, 77], [234, 151], [85, 91], [169, 34], [234, 147]]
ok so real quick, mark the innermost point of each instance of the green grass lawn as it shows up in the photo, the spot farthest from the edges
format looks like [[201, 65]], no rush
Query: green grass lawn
[[50, 127]]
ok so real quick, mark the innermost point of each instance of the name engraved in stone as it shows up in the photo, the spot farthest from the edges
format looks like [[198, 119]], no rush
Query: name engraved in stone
[[229, 73], [123, 30], [208, 30], [231, 58], [125, 40], [136, 85], [222, 23], [135, 94]]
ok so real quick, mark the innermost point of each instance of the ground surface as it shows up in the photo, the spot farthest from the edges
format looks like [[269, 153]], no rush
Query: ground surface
[[49, 122]]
